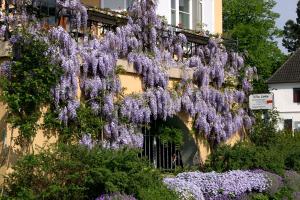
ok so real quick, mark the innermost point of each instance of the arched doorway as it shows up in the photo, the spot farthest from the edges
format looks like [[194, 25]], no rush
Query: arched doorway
[[169, 144]]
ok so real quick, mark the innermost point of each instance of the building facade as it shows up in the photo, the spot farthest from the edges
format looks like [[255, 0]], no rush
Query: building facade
[[285, 86], [205, 15], [187, 14]]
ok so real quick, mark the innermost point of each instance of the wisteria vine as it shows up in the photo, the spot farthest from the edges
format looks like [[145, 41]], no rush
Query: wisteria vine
[[214, 96]]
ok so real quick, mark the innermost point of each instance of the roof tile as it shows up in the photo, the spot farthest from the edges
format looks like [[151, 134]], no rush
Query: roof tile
[[289, 72]]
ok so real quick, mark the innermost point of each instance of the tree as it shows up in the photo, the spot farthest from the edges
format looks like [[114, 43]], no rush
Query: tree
[[26, 83], [252, 24], [291, 33]]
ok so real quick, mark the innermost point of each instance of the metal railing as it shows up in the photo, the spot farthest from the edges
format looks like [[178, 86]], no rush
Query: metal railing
[[164, 156]]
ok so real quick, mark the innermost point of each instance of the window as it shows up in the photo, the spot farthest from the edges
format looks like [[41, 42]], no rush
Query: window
[[114, 5], [288, 124], [47, 9], [181, 12], [184, 13], [296, 95], [118, 5], [197, 15], [173, 12]]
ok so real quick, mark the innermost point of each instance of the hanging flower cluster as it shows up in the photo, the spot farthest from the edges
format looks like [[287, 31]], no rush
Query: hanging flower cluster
[[152, 75], [12, 19], [214, 96], [75, 9], [217, 107], [228, 185], [87, 141], [153, 103], [100, 85], [214, 100], [65, 93]]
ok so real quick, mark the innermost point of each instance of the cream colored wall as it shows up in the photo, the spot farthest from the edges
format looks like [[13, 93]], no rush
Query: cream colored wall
[[10, 151], [92, 3], [218, 16], [132, 83]]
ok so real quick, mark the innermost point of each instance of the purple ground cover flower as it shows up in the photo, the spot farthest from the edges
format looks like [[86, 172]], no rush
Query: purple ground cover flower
[[115, 196], [214, 185]]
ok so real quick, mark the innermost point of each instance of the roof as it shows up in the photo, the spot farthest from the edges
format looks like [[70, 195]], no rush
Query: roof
[[289, 72]]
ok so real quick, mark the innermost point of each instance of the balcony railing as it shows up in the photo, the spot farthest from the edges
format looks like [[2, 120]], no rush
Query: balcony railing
[[108, 20]]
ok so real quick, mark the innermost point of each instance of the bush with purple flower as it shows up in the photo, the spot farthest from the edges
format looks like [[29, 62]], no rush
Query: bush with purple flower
[[228, 185]]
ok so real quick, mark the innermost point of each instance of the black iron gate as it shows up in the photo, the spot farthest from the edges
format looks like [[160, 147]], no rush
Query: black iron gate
[[162, 156]]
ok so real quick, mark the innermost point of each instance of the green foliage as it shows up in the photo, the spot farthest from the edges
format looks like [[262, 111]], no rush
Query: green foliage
[[266, 149], [171, 135], [291, 39], [75, 172], [169, 131], [28, 87], [284, 193], [246, 156], [260, 197], [252, 24], [264, 132], [293, 160], [279, 152], [87, 122]]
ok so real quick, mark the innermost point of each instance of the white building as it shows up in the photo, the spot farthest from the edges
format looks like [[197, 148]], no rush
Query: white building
[[189, 14], [285, 85]]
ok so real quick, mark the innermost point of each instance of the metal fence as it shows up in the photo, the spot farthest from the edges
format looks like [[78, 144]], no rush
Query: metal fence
[[165, 156]]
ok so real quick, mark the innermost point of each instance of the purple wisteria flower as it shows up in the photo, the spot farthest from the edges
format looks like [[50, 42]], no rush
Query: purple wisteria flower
[[5, 69], [152, 48], [2, 30], [87, 141], [66, 91], [77, 9]]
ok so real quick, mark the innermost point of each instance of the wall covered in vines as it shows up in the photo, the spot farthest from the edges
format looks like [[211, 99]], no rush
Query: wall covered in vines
[[215, 96]]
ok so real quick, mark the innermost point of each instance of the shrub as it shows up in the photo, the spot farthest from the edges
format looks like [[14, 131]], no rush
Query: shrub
[[26, 82], [264, 132], [275, 155], [284, 193], [245, 156], [260, 197], [76, 172]]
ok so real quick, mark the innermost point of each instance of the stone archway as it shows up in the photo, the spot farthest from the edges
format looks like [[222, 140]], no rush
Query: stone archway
[[169, 156]]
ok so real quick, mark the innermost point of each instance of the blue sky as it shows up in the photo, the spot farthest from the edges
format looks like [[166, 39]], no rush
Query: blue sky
[[287, 10]]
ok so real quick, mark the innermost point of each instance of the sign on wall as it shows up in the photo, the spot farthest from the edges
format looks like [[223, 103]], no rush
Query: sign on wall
[[261, 101]]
